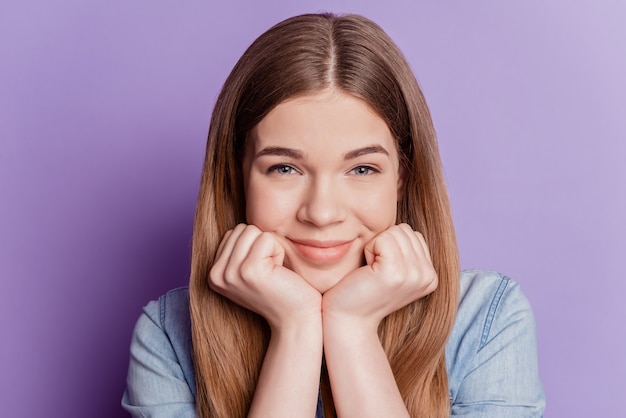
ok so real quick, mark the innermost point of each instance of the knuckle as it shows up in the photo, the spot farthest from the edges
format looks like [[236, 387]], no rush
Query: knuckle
[[230, 276], [265, 234], [386, 234], [433, 283], [215, 274], [247, 270], [265, 238], [395, 279], [251, 229]]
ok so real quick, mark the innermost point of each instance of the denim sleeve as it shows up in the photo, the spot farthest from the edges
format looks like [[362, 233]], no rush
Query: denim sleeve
[[497, 369], [156, 386]]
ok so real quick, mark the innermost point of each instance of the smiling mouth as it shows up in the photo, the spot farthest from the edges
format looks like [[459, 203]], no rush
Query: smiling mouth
[[322, 251]]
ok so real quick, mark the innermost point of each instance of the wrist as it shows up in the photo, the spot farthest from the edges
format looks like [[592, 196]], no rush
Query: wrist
[[350, 328], [335, 319], [300, 328]]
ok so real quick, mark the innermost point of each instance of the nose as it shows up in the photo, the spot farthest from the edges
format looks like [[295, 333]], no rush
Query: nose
[[322, 203]]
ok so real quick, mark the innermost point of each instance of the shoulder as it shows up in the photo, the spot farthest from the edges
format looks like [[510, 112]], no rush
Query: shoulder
[[491, 353], [161, 368], [490, 296], [173, 306], [170, 313], [488, 301]]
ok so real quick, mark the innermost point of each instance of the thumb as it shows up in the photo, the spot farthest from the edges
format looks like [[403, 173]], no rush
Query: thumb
[[268, 250], [369, 252], [278, 252]]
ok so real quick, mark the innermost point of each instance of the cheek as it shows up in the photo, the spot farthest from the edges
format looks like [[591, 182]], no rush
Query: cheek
[[378, 210], [266, 210]]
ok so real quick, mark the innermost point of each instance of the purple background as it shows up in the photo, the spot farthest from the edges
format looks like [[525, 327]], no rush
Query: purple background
[[104, 108]]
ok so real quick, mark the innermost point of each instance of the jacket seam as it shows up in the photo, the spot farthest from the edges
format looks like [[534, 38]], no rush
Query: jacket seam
[[493, 306], [162, 311], [163, 304]]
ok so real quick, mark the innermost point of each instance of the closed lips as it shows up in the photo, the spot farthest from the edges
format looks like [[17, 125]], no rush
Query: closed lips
[[322, 251]]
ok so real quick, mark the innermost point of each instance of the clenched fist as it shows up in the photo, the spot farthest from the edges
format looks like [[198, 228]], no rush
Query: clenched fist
[[249, 271]]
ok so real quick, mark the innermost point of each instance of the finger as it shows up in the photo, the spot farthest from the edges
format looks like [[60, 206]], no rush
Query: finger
[[402, 234], [220, 248], [264, 253], [278, 255], [431, 272], [240, 250], [368, 252], [419, 248], [384, 247], [230, 239], [225, 249], [418, 241], [420, 238], [412, 253]]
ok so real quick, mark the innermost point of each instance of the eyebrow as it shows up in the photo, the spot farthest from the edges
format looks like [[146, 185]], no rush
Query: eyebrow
[[281, 152], [372, 149], [299, 155]]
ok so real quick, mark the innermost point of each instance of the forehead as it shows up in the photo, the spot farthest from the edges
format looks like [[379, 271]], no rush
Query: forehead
[[331, 119]]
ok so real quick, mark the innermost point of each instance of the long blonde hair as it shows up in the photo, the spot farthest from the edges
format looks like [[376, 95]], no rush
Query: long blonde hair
[[302, 55]]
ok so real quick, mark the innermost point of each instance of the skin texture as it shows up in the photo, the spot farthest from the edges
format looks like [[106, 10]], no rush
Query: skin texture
[[321, 258], [322, 193]]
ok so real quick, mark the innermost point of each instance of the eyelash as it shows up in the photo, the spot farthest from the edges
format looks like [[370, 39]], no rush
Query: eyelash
[[279, 167], [370, 170], [284, 169]]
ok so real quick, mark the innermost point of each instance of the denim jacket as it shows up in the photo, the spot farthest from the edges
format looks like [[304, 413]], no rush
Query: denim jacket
[[491, 355]]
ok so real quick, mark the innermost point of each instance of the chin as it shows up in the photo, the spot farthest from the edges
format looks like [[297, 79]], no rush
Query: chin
[[322, 280]]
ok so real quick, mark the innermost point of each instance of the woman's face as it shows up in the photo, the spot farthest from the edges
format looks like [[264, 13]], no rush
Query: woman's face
[[322, 173]]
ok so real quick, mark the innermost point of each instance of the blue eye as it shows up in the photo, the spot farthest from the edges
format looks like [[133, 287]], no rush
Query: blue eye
[[364, 170], [281, 169]]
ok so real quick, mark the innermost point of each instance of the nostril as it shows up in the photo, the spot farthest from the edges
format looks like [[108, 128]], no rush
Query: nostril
[[321, 207]]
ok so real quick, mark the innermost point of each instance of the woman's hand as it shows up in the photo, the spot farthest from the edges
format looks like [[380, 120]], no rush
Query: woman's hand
[[249, 270], [398, 271]]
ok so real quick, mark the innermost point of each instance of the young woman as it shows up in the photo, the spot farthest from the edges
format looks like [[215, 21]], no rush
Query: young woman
[[325, 276]]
